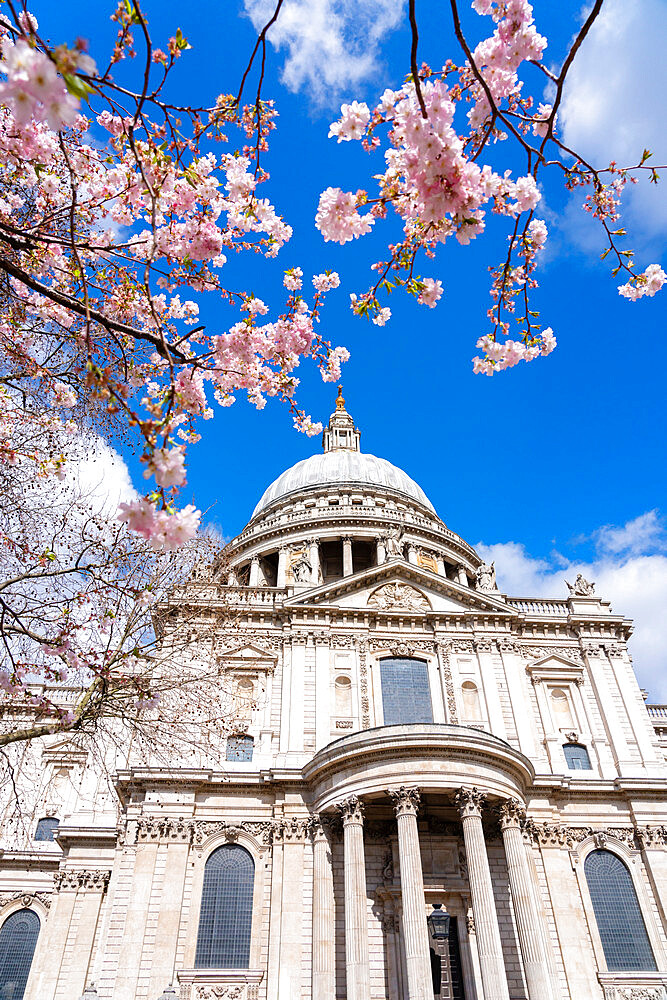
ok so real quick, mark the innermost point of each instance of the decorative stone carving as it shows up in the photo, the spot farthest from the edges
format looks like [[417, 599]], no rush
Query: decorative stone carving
[[363, 686], [558, 835], [620, 992], [581, 587], [398, 597], [600, 839], [199, 991], [485, 577], [201, 830], [163, 829], [351, 810], [89, 879], [388, 868], [470, 801], [406, 800], [291, 829], [27, 898], [511, 812]]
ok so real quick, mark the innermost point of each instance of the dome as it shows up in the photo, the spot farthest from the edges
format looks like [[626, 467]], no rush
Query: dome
[[335, 467]]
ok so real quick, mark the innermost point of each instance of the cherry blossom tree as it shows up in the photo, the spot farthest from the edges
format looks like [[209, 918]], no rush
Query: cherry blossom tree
[[437, 131]]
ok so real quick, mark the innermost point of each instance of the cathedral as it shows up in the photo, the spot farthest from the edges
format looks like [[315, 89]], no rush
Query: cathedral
[[432, 789]]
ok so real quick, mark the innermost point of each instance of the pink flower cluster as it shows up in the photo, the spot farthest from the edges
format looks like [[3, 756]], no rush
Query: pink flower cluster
[[648, 283], [499, 57], [499, 355], [33, 89], [164, 530], [338, 219], [353, 122]]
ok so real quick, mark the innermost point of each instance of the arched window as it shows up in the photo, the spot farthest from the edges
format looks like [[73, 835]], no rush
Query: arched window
[[619, 919], [46, 828], [405, 692], [560, 704], [472, 710], [239, 747], [577, 757], [225, 918], [18, 937], [343, 687]]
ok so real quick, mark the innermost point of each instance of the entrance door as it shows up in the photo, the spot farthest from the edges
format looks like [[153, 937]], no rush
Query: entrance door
[[447, 974]]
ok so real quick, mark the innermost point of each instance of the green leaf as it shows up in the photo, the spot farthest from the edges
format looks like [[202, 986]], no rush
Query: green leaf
[[76, 86]]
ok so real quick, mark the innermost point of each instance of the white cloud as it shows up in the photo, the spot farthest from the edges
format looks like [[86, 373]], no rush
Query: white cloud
[[614, 107], [103, 476], [629, 569], [331, 44]]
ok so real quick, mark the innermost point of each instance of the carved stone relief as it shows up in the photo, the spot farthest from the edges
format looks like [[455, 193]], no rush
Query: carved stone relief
[[94, 880], [398, 597], [26, 898]]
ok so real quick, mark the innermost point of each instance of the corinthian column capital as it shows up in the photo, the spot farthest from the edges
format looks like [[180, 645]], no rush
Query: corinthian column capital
[[352, 810], [406, 800], [470, 801], [512, 812]]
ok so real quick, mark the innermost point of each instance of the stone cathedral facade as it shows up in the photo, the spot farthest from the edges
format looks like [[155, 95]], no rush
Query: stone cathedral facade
[[435, 789]]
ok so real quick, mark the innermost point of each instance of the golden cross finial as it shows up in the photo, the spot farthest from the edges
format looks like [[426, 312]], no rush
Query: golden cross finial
[[340, 402]]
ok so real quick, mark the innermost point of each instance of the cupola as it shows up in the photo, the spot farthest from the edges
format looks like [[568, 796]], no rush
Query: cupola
[[340, 434]]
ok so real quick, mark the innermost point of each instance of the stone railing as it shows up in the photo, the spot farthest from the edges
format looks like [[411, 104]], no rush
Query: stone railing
[[203, 592], [529, 607], [657, 713]]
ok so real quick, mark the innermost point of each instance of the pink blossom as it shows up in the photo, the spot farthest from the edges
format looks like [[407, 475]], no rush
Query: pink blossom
[[430, 293], [168, 467], [352, 125], [325, 282], [537, 233], [383, 316], [541, 119], [337, 217], [648, 283], [293, 279]]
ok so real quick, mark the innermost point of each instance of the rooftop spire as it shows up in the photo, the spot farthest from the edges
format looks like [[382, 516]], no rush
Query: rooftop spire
[[341, 434]]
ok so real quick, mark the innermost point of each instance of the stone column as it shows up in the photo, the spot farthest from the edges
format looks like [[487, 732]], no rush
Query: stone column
[[415, 932], [254, 571], [380, 551], [440, 562], [347, 557], [492, 966], [315, 561], [412, 554], [357, 964], [461, 576], [282, 567], [525, 906], [324, 985]]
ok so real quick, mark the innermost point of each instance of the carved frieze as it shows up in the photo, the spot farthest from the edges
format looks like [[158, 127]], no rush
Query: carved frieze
[[87, 879], [559, 835], [290, 829], [363, 686], [633, 992], [163, 829], [220, 991]]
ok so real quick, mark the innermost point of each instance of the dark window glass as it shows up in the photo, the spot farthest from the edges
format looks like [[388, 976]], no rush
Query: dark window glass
[[46, 828], [225, 917], [577, 757], [619, 919], [405, 694], [18, 937], [239, 748]]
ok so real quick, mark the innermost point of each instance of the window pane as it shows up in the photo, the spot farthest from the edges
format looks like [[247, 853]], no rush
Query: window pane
[[405, 693], [619, 919], [577, 757], [46, 828], [18, 937], [239, 748], [225, 917]]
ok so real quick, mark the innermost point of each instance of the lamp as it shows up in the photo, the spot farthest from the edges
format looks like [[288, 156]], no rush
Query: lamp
[[438, 923]]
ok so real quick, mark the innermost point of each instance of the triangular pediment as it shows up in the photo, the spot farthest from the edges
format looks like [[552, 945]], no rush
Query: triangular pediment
[[401, 587], [557, 665], [248, 652]]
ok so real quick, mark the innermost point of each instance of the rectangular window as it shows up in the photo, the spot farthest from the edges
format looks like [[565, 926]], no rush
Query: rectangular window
[[406, 697], [239, 748]]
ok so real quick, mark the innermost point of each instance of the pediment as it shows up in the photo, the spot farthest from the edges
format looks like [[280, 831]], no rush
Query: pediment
[[557, 666], [248, 654], [401, 587]]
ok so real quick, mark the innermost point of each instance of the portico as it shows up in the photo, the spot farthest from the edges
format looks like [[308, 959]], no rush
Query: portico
[[495, 781]]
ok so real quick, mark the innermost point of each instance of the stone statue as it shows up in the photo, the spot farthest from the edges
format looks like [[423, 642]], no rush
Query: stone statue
[[581, 587], [485, 577], [393, 544], [302, 568]]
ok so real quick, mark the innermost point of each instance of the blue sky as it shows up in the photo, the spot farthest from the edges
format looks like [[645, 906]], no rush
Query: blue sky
[[539, 461]]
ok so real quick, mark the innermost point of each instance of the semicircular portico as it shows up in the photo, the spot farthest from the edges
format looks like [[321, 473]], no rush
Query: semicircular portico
[[435, 758]]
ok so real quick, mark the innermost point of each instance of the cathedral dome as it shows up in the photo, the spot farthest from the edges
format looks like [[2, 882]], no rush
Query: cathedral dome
[[337, 467], [342, 464]]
